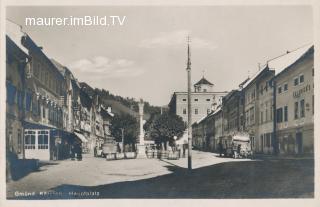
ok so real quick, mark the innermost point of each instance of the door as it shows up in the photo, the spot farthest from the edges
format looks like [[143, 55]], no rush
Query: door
[[299, 142]]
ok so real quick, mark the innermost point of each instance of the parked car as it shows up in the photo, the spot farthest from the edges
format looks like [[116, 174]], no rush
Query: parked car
[[237, 146], [109, 149]]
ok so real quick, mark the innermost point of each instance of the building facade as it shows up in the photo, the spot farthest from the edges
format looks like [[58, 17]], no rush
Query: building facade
[[275, 107], [48, 111], [232, 111], [204, 100], [16, 61], [295, 106]]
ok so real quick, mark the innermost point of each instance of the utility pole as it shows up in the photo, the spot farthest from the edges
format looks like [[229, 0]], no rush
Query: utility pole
[[189, 108]]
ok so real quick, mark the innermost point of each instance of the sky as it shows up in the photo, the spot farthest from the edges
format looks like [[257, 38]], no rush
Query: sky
[[146, 56]]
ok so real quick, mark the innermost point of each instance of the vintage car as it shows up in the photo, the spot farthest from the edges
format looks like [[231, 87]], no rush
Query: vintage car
[[109, 150], [237, 146]]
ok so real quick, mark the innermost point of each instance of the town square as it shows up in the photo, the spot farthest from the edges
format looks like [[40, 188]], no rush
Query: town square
[[178, 106]]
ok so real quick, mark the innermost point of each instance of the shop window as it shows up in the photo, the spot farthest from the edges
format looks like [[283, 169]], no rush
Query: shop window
[[43, 137], [19, 141], [30, 139]]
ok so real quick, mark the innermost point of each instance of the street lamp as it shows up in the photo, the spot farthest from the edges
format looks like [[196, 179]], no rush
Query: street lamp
[[189, 108]]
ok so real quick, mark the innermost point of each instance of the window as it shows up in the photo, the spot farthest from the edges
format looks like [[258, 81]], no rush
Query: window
[[43, 140], [36, 70], [285, 87], [313, 104], [268, 138], [29, 139], [196, 99], [208, 99], [252, 115], [279, 89], [43, 112], [184, 111], [195, 111], [285, 113], [296, 81], [279, 115], [247, 118], [296, 106], [204, 90], [312, 72], [301, 78], [267, 115], [184, 99], [302, 111], [46, 77]]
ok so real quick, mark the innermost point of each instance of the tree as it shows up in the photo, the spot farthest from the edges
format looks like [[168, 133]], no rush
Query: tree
[[165, 126], [130, 126]]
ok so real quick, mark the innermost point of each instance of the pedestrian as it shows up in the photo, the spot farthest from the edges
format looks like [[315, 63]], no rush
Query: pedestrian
[[184, 150], [238, 150], [72, 152], [95, 150], [79, 152], [220, 148]]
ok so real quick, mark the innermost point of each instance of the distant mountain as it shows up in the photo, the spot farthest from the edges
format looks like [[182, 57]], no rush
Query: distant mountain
[[120, 104]]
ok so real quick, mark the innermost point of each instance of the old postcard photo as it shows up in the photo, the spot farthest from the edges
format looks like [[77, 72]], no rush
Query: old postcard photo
[[161, 102]]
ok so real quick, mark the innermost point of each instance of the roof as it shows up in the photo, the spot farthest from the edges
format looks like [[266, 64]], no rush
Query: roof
[[15, 33], [204, 93], [203, 81], [284, 61], [62, 69], [251, 79], [278, 64]]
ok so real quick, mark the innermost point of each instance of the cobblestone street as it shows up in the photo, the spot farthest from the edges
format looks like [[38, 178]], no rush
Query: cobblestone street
[[212, 177]]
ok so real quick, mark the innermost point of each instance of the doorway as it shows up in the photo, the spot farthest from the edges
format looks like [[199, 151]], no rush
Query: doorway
[[299, 142]]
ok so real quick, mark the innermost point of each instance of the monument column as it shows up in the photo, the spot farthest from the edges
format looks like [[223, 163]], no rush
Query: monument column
[[141, 147]]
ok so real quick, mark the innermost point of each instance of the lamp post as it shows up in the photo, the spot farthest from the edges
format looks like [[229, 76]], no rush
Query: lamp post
[[189, 108]]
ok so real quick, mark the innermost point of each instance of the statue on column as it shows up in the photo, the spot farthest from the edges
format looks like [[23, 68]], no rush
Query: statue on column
[[141, 146]]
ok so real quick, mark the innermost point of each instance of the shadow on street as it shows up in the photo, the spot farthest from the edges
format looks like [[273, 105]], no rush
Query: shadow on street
[[288, 178]]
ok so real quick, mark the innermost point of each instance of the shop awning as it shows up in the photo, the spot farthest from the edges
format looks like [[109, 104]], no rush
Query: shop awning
[[241, 138], [81, 137]]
